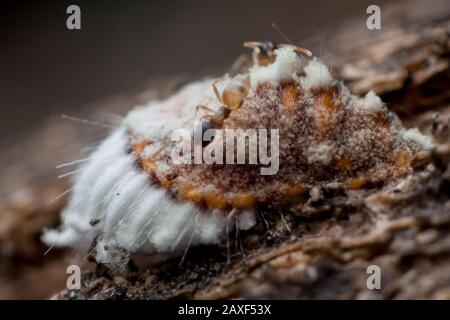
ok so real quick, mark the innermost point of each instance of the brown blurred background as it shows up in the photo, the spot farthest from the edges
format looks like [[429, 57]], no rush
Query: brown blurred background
[[47, 69]]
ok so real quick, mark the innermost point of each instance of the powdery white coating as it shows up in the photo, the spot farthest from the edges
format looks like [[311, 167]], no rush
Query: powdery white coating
[[283, 68], [246, 220], [316, 75], [417, 137], [157, 119], [373, 103], [321, 153], [114, 201]]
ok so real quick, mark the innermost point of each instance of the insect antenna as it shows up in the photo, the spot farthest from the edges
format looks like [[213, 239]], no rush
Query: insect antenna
[[52, 245], [68, 164], [190, 241], [237, 65], [68, 173], [90, 252], [227, 229], [285, 222], [241, 247], [185, 229], [275, 26], [263, 217], [235, 236], [62, 194], [85, 121]]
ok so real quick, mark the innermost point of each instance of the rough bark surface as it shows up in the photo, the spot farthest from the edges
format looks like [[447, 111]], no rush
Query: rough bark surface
[[323, 254]]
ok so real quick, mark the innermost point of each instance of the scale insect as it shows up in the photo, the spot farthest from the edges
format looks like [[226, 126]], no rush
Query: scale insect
[[129, 196], [237, 90]]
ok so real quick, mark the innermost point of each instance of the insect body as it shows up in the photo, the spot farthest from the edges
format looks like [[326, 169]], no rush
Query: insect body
[[235, 92], [231, 98], [327, 137]]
